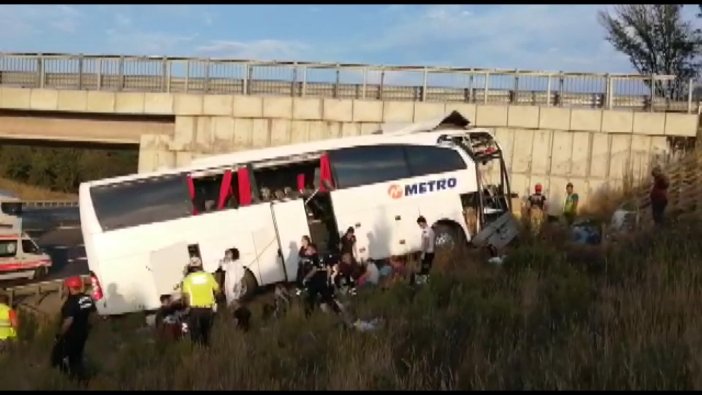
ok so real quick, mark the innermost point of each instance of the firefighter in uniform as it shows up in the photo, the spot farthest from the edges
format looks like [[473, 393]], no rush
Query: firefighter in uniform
[[67, 354], [536, 204], [8, 322], [199, 293]]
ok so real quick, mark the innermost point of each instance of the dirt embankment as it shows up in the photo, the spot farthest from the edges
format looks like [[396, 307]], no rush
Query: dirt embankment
[[30, 192]]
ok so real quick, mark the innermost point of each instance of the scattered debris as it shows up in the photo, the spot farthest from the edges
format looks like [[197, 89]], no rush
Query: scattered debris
[[586, 232], [497, 260]]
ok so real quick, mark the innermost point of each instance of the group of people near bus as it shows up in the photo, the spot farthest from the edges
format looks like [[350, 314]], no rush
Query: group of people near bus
[[321, 279], [536, 204]]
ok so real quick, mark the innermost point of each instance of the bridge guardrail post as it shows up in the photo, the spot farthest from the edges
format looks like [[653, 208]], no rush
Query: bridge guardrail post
[[336, 83], [561, 87], [80, 71], [304, 81], [99, 74], [515, 94], [293, 84], [653, 92], [382, 83], [41, 72], [365, 82], [471, 89], [187, 75], [689, 95], [120, 86], [424, 83], [165, 78], [608, 91], [548, 90], [207, 76], [486, 88]]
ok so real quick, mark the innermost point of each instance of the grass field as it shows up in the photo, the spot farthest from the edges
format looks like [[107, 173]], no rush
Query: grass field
[[30, 192], [551, 317]]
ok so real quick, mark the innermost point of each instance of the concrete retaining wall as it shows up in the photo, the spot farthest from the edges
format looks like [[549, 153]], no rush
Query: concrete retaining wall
[[550, 145]]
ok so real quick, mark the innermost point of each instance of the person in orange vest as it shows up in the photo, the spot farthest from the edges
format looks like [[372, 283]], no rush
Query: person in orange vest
[[8, 322], [536, 205], [67, 354]]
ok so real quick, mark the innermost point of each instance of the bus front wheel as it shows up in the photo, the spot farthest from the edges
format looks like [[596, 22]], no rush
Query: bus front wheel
[[250, 284]]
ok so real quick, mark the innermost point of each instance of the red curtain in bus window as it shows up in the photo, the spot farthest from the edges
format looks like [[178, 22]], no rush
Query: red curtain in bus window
[[191, 192], [301, 182], [244, 187], [225, 190], [324, 172]]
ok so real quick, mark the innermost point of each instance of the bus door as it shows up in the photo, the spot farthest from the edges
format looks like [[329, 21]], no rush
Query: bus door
[[290, 221], [165, 268]]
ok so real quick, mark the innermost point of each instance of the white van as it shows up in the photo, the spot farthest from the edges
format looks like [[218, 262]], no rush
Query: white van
[[20, 257]]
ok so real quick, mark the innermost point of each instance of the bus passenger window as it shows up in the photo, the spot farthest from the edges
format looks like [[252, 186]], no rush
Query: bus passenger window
[[143, 201], [206, 192], [215, 192], [365, 165], [425, 160], [278, 182]]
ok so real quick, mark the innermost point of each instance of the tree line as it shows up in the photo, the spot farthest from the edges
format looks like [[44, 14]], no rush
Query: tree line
[[658, 40], [63, 168]]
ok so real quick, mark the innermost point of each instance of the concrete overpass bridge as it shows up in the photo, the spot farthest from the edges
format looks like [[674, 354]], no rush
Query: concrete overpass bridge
[[591, 129]]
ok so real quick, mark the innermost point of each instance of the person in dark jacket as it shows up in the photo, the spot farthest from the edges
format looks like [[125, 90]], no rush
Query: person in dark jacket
[[67, 354], [316, 284], [348, 243], [305, 256], [659, 195]]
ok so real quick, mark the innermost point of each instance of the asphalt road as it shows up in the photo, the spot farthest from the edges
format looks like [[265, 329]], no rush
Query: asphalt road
[[65, 246]]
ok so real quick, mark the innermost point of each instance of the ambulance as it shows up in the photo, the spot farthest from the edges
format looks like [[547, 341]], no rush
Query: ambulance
[[20, 256]]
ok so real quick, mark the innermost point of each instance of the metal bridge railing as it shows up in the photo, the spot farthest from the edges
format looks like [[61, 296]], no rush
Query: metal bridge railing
[[357, 81], [49, 203]]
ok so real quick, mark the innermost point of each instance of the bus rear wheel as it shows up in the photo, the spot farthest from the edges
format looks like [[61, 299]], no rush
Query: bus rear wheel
[[449, 239]]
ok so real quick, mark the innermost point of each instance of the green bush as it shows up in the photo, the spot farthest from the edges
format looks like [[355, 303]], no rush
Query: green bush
[[63, 168]]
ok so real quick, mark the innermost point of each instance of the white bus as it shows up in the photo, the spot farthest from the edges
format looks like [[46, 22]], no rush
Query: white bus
[[139, 230]]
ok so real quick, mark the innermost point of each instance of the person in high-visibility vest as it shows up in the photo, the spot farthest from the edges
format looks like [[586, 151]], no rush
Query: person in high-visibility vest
[[570, 208], [199, 293], [8, 320]]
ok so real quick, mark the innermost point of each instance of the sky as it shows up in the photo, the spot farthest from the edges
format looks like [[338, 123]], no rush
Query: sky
[[526, 37]]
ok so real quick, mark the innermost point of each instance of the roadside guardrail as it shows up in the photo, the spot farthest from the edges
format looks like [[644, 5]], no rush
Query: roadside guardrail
[[49, 203], [28, 298]]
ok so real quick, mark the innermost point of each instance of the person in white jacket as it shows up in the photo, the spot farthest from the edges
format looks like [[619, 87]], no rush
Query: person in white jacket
[[234, 271]]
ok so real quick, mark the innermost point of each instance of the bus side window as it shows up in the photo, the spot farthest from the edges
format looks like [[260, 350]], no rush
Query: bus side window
[[365, 165], [217, 192], [425, 160], [281, 182]]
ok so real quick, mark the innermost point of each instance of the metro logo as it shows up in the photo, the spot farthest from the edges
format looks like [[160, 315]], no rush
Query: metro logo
[[419, 188], [395, 191]]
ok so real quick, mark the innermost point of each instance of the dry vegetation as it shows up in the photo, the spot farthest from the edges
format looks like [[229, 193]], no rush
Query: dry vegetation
[[551, 317], [628, 319], [30, 192]]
